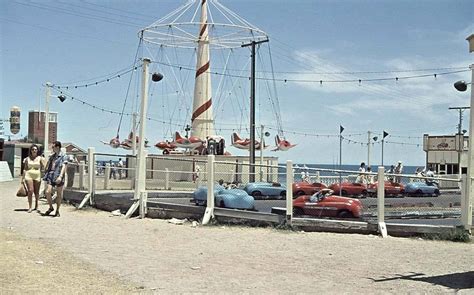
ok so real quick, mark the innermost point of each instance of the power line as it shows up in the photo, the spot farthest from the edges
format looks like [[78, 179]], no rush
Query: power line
[[83, 15]]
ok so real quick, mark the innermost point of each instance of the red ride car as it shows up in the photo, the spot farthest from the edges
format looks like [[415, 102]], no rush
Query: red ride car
[[325, 204], [349, 188], [393, 189], [306, 188]]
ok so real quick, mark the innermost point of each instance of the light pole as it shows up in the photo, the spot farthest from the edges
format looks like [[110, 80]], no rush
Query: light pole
[[385, 134], [340, 158], [140, 187], [459, 136], [369, 139], [46, 117], [469, 195]]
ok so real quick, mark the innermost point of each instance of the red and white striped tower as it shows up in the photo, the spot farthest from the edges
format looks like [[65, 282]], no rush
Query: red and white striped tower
[[202, 122]]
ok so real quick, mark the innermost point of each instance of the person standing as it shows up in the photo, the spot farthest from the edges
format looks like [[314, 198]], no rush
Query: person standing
[[430, 181], [370, 177], [32, 168], [54, 177], [390, 171], [113, 170], [120, 168], [398, 170], [361, 176]]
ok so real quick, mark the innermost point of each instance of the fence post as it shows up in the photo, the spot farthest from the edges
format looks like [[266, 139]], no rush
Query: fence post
[[198, 178], [381, 201], [318, 177], [210, 190], [81, 174], [143, 193], [106, 176], [289, 191], [466, 206], [167, 179], [91, 178]]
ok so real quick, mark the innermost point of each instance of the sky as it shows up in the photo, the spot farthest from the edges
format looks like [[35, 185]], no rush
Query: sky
[[72, 43]]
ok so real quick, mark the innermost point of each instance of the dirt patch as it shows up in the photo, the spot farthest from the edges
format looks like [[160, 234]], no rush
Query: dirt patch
[[30, 266], [169, 258]]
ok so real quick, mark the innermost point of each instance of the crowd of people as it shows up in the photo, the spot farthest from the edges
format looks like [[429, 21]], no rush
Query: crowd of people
[[370, 178], [117, 170], [394, 174]]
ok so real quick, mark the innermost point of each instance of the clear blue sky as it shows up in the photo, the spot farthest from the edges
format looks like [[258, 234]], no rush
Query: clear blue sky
[[73, 41]]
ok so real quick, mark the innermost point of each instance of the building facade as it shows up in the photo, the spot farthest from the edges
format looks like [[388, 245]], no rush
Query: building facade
[[446, 154], [36, 126]]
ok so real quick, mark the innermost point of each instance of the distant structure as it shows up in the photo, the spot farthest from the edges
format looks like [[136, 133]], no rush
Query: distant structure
[[36, 126], [446, 154], [75, 150]]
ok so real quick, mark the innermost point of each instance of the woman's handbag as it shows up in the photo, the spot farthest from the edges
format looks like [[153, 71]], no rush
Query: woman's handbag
[[22, 191]]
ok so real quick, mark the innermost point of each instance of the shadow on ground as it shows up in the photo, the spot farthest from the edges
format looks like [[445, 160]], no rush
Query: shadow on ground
[[457, 281]]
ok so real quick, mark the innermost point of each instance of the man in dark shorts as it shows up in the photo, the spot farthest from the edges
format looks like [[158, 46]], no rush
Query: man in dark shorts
[[54, 177]]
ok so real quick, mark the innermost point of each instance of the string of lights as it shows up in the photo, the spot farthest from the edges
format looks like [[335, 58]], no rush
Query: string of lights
[[106, 110], [182, 66], [321, 82], [378, 142], [399, 136], [104, 80], [311, 134], [403, 143]]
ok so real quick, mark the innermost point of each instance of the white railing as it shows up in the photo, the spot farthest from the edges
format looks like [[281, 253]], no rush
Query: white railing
[[168, 180]]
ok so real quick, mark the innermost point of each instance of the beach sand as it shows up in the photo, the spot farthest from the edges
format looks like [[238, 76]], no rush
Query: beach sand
[[91, 251]]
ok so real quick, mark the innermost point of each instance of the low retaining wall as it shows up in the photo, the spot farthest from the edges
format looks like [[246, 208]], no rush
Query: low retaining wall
[[111, 201]]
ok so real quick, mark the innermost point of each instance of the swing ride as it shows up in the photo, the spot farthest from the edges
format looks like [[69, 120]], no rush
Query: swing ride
[[282, 144], [244, 144], [180, 46]]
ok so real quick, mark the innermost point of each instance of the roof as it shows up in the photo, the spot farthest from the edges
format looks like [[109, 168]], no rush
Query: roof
[[72, 148]]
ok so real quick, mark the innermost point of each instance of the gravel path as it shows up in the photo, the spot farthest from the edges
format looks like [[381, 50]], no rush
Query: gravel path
[[99, 253]]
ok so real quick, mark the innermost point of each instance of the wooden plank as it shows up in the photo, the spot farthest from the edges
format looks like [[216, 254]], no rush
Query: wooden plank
[[331, 224], [411, 229], [177, 207], [243, 214], [132, 209], [86, 198]]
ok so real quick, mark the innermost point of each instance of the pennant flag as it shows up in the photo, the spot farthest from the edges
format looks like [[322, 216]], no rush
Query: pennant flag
[[341, 128], [385, 134]]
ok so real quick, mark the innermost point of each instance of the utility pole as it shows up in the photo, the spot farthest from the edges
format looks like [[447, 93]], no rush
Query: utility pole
[[368, 148], [384, 134], [262, 145], [460, 136], [46, 120], [340, 158], [252, 109]]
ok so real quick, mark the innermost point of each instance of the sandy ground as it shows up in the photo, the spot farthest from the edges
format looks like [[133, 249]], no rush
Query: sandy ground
[[90, 251]]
